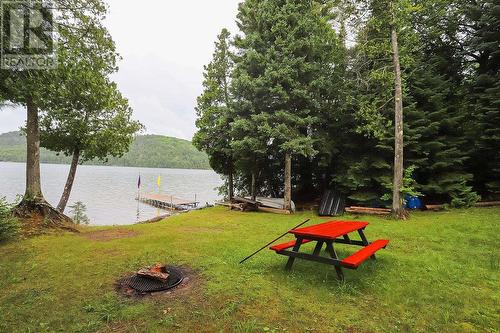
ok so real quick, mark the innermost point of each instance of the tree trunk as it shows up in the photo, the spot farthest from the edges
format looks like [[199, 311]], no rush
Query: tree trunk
[[288, 182], [69, 181], [37, 215], [33, 186], [397, 202], [253, 189], [230, 185]]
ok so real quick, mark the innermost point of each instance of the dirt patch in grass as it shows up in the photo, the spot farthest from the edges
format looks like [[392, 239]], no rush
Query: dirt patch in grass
[[108, 235]]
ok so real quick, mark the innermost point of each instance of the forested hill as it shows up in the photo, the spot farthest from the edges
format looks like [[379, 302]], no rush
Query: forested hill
[[153, 151]]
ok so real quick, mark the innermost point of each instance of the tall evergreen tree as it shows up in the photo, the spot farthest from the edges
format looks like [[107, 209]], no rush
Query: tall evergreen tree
[[285, 57], [434, 116], [481, 47], [436, 120], [439, 116], [214, 111], [368, 147], [299, 91]]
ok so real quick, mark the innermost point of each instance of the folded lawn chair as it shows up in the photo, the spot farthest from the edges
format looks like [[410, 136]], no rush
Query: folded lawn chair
[[332, 204]]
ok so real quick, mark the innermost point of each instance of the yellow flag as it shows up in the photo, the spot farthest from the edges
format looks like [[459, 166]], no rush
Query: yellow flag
[[158, 181]]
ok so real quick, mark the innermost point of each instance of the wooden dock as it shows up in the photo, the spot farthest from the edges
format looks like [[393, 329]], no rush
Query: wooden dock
[[166, 201]]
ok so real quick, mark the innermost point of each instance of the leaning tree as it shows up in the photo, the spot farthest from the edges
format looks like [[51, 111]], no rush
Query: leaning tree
[[96, 123]]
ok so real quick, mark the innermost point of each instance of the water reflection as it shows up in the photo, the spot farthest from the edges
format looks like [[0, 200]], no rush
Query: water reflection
[[110, 192]]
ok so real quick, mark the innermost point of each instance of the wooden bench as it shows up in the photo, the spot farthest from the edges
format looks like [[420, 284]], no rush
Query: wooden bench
[[284, 246], [356, 259]]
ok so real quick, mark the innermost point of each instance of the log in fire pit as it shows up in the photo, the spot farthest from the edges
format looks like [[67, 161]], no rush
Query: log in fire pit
[[153, 279]]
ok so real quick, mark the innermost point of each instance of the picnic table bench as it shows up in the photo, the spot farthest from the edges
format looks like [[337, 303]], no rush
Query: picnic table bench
[[327, 234]]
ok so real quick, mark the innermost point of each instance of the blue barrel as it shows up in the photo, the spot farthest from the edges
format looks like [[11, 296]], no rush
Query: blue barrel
[[413, 203]]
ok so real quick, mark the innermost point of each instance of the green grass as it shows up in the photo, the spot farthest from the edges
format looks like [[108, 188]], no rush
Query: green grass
[[440, 273]]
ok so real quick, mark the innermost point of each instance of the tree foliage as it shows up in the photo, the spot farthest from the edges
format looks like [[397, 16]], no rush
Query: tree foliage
[[9, 226], [81, 108], [78, 213], [214, 108], [316, 79]]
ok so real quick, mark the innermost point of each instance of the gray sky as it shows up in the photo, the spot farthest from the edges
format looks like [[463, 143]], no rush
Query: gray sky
[[164, 45]]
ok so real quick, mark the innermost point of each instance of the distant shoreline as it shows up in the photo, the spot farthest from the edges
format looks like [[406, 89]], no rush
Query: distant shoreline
[[146, 151]]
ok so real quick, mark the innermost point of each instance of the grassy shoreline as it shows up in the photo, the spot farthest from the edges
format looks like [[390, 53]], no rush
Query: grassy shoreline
[[440, 274]]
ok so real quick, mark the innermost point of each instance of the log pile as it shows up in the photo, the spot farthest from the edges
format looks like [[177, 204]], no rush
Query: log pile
[[479, 204], [368, 210], [434, 207], [488, 204]]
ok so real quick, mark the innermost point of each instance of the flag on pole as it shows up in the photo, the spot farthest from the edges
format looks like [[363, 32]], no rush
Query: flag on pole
[[139, 182], [158, 181]]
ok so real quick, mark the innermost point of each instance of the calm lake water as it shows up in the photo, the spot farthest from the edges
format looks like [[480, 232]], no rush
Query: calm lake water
[[109, 192]]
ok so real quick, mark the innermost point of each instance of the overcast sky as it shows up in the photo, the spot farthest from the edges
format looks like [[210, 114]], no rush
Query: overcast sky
[[164, 45]]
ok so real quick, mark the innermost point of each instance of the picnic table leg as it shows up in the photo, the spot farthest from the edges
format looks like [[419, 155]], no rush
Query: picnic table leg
[[318, 247], [333, 254], [365, 241], [296, 247]]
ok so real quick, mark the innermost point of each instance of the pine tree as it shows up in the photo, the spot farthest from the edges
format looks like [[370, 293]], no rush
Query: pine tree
[[214, 111], [78, 213], [435, 116], [436, 120], [364, 171], [284, 60], [482, 47], [433, 102]]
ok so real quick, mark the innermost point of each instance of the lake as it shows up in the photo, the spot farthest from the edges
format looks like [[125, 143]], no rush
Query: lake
[[109, 192]]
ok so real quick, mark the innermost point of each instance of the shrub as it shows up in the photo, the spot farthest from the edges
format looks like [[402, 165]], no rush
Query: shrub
[[9, 226], [409, 187], [464, 196], [78, 210]]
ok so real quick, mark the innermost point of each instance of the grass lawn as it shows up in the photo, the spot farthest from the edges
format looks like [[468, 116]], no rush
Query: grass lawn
[[440, 273]]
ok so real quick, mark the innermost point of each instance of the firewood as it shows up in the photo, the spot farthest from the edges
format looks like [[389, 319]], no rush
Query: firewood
[[372, 211], [434, 207], [156, 272], [488, 204]]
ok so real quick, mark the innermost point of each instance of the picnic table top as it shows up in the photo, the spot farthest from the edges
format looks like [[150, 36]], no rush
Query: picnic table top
[[329, 230]]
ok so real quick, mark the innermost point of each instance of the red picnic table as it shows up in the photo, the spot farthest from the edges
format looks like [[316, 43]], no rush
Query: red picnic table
[[329, 233]]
